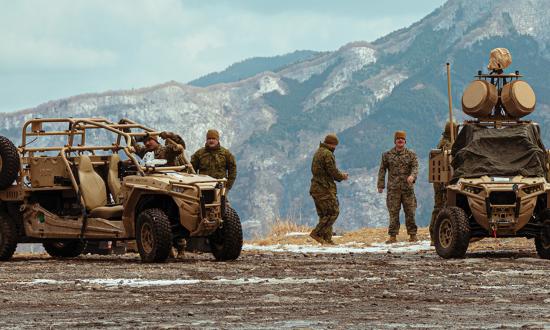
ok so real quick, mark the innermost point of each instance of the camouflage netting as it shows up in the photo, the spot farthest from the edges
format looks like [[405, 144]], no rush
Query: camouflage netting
[[508, 151]]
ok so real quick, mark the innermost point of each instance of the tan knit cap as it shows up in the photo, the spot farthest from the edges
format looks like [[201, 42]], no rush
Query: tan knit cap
[[400, 134], [331, 139], [212, 134]]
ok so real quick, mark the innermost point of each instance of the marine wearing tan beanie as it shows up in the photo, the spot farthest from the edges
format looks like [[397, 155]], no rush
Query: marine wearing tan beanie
[[331, 139], [400, 134], [212, 134]]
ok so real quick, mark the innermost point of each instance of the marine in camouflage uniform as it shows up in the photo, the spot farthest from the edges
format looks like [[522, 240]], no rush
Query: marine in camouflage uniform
[[215, 160], [172, 152], [402, 167], [323, 189], [440, 193]]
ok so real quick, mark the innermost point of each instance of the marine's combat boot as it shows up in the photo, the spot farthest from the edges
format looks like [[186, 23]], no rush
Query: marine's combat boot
[[328, 241], [316, 237], [412, 238], [392, 239]]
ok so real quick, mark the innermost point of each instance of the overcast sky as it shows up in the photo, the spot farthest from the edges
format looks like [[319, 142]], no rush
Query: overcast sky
[[59, 48]]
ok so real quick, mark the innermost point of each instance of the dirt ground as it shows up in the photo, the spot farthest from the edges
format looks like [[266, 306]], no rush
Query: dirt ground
[[500, 284]]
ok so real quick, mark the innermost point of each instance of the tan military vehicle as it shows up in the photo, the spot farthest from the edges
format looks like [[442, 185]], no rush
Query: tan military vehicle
[[497, 170], [69, 190]]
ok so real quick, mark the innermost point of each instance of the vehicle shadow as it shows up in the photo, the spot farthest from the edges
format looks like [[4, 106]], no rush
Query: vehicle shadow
[[104, 259], [502, 254]]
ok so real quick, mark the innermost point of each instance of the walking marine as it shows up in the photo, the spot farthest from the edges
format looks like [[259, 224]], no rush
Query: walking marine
[[402, 167], [323, 189]]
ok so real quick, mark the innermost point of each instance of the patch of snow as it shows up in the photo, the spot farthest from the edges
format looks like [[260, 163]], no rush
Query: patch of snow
[[386, 85], [515, 272], [131, 282], [268, 84], [296, 233], [355, 58], [401, 247], [353, 243], [502, 287]]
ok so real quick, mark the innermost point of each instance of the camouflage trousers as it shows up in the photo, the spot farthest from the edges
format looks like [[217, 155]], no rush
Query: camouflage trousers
[[328, 209], [394, 199], [440, 198]]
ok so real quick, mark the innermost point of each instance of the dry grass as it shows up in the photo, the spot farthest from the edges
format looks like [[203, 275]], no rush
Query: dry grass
[[283, 227], [288, 232], [279, 234]]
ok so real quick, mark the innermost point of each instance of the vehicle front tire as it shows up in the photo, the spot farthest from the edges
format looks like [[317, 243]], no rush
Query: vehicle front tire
[[227, 241], [9, 162], [8, 238], [542, 242], [65, 249], [452, 233], [153, 235]]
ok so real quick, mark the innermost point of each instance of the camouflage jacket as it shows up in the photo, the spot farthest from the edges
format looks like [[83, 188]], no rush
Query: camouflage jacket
[[399, 164], [217, 162], [325, 172], [173, 157]]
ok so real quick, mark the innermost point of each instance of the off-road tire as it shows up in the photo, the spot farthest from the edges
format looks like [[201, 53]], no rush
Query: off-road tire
[[452, 233], [542, 242], [9, 162], [227, 241], [153, 235], [65, 249], [8, 238]]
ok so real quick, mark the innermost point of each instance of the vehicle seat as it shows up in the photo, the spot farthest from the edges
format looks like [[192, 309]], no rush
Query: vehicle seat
[[94, 192], [115, 187]]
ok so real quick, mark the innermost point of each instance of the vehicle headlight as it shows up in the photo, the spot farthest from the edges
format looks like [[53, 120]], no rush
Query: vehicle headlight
[[178, 189], [532, 189], [472, 189]]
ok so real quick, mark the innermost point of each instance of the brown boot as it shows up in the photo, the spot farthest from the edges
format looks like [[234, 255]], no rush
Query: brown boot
[[316, 237], [328, 239], [392, 239], [329, 242], [412, 238]]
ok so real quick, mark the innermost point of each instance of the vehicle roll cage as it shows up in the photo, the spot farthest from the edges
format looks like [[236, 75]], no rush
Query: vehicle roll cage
[[79, 127]]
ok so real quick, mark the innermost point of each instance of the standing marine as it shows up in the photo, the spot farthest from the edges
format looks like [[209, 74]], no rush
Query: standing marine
[[402, 167], [440, 195], [323, 188], [215, 160]]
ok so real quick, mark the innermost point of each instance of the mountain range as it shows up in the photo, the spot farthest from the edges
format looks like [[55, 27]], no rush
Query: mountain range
[[273, 120]]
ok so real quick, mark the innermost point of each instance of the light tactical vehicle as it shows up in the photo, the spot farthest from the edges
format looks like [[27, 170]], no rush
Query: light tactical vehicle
[[70, 191], [497, 171]]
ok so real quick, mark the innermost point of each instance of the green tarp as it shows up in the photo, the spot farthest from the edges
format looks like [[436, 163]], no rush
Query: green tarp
[[509, 151]]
